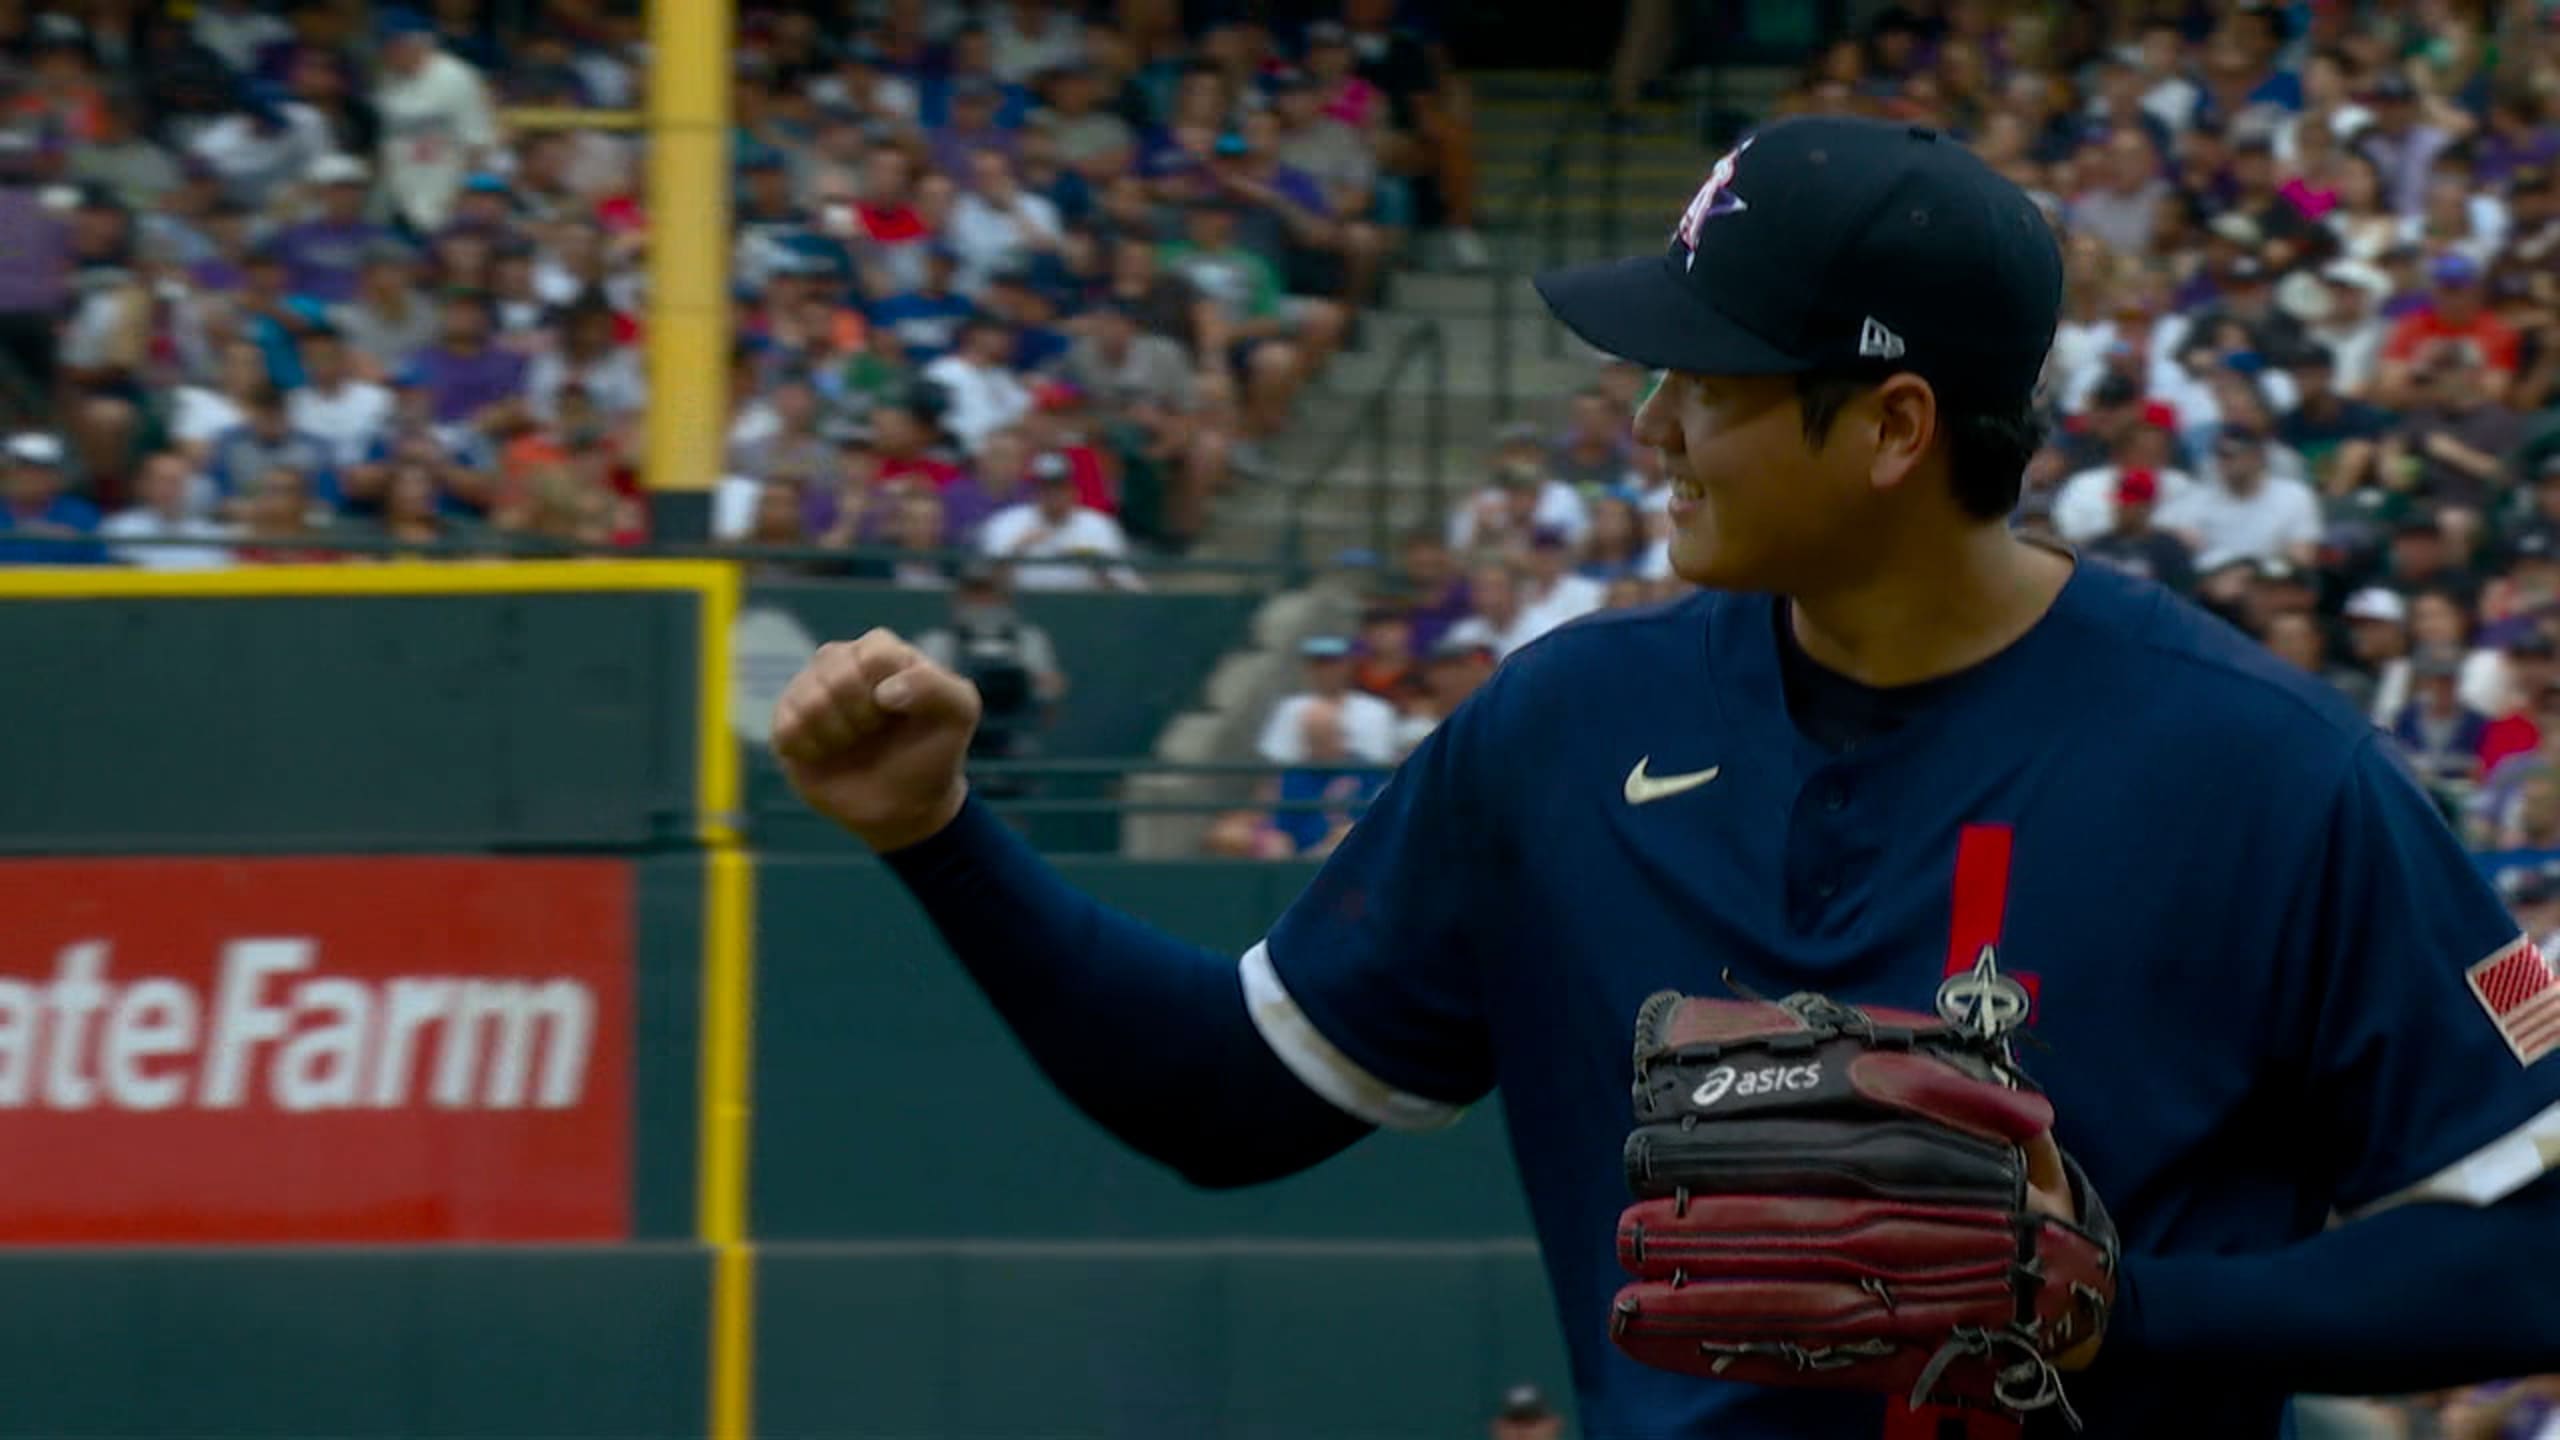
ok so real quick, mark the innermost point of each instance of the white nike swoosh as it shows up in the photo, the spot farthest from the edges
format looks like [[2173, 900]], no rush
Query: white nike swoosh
[[1643, 789]]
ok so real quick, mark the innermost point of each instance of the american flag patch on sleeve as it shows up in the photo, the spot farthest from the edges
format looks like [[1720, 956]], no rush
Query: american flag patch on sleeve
[[2522, 995]]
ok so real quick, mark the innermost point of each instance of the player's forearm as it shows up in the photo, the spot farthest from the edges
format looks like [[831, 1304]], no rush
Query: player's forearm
[[2422, 1297], [1146, 1034]]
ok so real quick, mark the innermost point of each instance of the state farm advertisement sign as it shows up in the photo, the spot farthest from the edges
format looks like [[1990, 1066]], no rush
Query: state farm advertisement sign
[[378, 1049]]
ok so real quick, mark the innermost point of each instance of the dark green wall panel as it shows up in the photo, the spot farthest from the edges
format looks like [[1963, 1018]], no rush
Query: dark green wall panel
[[348, 723], [353, 1344], [891, 1102], [1237, 1341], [1133, 661]]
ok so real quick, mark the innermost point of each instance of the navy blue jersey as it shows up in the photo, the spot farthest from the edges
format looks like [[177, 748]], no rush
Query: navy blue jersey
[[2267, 984]]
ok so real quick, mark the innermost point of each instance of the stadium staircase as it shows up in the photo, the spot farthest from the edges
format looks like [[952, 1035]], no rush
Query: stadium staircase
[[1558, 187]]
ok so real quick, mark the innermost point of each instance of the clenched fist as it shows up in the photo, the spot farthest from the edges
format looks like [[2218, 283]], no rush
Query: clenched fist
[[875, 737]]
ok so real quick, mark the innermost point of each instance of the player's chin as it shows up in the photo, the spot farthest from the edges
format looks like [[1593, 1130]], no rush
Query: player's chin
[[1704, 556]]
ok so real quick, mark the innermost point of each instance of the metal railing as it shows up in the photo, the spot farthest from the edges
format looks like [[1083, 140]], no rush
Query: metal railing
[[812, 561], [1373, 426], [1016, 787], [1543, 210]]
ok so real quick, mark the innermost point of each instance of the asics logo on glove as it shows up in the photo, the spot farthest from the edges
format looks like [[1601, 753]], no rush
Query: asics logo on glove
[[1767, 1080]]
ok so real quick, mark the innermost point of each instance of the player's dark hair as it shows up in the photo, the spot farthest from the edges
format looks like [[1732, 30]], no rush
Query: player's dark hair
[[1987, 450]]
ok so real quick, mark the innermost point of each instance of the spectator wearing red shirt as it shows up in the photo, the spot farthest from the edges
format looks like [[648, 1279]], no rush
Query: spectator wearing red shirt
[[2531, 670], [909, 438], [888, 218], [2458, 313]]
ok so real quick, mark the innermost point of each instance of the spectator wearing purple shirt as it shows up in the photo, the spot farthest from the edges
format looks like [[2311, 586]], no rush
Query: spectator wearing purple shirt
[[2402, 142], [464, 374], [974, 126], [35, 283], [989, 485], [1284, 216], [1437, 593], [2514, 139], [226, 233], [324, 256]]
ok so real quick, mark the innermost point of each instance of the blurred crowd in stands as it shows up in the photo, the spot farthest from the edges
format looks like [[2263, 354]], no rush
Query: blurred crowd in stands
[[1025, 277], [2307, 376]]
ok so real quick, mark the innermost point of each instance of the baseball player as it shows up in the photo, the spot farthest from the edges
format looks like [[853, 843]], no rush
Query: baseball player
[[1889, 752]]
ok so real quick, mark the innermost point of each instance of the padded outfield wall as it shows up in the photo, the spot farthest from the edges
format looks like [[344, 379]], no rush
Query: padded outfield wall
[[404, 1031]]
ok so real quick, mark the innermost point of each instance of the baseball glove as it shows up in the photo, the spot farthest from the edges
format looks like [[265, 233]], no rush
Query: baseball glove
[[1838, 1197]]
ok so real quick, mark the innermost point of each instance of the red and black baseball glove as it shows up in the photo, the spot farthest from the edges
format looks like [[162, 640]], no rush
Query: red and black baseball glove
[[1841, 1197]]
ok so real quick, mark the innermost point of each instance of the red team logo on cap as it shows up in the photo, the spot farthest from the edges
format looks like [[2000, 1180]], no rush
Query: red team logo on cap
[[1712, 199], [2522, 996]]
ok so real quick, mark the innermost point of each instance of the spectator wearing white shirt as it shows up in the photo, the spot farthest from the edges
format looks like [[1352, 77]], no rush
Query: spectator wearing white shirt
[[1369, 724], [173, 505], [1550, 592], [985, 395], [1054, 525], [2084, 507], [237, 30], [271, 142], [2244, 512], [438, 123], [1500, 623], [1522, 498], [2378, 636], [334, 407], [996, 224], [588, 356], [1026, 38]]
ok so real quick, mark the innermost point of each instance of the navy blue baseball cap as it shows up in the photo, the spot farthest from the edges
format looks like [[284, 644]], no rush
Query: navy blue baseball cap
[[1824, 243]]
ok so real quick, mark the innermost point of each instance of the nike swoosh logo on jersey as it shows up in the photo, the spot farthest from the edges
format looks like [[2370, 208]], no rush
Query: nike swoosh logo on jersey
[[1643, 789]]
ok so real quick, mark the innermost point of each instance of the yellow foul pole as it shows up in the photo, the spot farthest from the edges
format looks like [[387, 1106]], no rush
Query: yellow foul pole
[[688, 336], [688, 419]]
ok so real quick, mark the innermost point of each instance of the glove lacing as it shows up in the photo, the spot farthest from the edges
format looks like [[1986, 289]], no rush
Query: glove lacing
[[2028, 1383]]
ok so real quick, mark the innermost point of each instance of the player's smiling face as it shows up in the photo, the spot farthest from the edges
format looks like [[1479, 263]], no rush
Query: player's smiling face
[[1755, 506]]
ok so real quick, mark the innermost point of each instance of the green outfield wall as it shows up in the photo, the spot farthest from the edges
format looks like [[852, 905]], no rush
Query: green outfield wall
[[386, 922]]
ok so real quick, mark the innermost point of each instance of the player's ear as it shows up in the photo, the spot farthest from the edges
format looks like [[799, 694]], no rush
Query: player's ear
[[1906, 421]]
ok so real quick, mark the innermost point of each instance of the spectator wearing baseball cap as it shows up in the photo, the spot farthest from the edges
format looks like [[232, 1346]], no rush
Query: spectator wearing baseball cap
[[41, 523], [2456, 312], [1551, 592], [324, 256], [1053, 525], [1368, 723], [2377, 622], [2136, 545], [2084, 506], [2436, 730]]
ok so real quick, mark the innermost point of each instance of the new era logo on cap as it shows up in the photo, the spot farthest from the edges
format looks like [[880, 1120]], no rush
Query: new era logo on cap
[[1832, 243]]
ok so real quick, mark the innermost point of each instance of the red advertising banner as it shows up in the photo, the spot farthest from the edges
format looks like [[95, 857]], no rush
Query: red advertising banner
[[315, 1050]]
